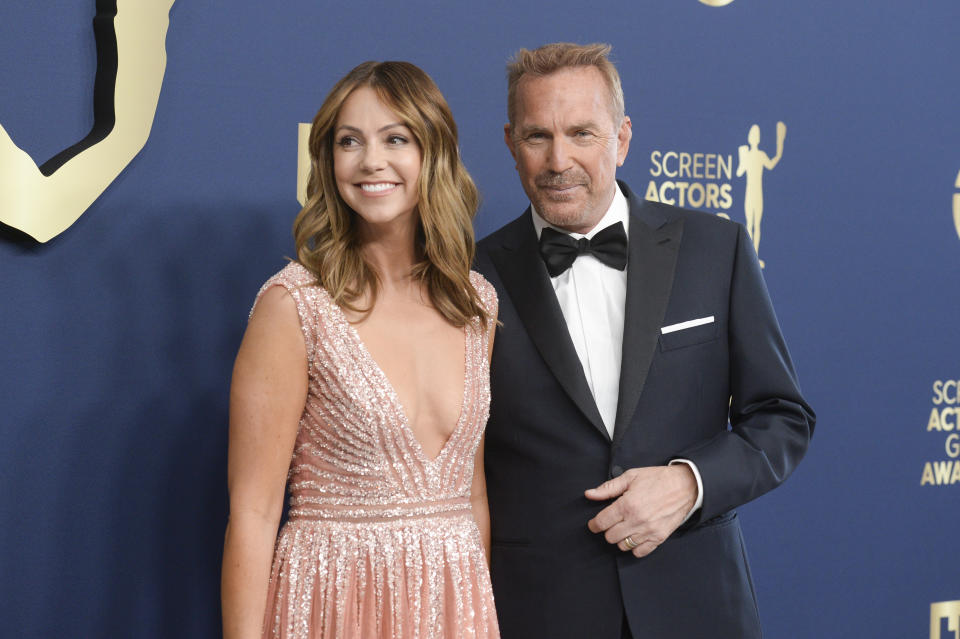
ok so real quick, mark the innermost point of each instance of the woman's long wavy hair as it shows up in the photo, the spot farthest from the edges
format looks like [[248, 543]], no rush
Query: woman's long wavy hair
[[326, 232]]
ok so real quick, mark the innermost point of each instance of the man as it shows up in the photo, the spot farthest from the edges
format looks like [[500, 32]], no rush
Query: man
[[612, 473]]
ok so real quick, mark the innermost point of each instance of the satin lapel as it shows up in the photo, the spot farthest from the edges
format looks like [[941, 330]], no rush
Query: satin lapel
[[654, 246], [526, 281]]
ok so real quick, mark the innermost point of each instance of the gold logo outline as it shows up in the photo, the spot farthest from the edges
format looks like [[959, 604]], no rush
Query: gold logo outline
[[956, 205], [716, 3], [941, 609], [131, 61], [303, 160]]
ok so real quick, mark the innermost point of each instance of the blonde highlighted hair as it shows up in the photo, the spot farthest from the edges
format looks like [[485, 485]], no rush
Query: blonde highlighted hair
[[551, 58], [326, 233]]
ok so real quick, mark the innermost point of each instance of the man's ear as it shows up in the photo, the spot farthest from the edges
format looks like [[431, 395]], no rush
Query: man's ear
[[508, 139], [623, 139]]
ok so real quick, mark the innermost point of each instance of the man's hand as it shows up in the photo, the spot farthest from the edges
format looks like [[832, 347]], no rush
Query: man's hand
[[650, 504]]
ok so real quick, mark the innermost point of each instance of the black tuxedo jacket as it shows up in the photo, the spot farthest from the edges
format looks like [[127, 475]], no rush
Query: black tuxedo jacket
[[722, 394]]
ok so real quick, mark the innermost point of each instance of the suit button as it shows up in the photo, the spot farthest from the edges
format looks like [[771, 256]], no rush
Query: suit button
[[615, 471]]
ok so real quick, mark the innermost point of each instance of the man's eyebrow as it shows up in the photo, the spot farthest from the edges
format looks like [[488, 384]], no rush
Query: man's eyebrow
[[579, 126], [531, 128], [588, 125]]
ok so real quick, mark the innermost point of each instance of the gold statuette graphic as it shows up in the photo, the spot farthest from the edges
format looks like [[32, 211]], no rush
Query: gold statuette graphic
[[716, 3], [956, 205], [945, 620], [131, 59], [753, 162]]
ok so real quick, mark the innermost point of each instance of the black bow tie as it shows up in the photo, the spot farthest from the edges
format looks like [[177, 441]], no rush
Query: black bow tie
[[559, 250]]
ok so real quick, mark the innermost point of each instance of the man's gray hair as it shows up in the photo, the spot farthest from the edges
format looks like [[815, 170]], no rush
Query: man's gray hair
[[562, 55]]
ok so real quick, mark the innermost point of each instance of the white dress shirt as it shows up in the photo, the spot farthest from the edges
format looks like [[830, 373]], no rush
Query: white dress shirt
[[593, 297]]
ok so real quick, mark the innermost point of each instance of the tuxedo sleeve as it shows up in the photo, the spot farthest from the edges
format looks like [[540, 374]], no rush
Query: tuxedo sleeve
[[770, 424]]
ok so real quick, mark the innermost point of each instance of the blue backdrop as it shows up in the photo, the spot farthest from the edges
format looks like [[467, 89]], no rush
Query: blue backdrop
[[117, 337]]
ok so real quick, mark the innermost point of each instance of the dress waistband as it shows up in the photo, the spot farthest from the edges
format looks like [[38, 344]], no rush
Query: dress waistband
[[304, 507]]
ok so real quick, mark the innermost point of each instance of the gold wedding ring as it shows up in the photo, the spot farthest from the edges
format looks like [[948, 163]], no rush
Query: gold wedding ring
[[630, 543]]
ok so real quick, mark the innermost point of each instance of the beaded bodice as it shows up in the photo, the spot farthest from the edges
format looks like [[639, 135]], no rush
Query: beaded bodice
[[356, 456]]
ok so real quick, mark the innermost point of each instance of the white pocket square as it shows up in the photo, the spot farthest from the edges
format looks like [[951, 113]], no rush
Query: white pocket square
[[688, 324]]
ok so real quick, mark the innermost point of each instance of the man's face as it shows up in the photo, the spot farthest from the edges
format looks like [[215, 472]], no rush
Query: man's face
[[567, 145]]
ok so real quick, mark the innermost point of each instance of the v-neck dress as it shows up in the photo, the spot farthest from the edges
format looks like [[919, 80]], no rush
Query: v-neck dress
[[380, 540]]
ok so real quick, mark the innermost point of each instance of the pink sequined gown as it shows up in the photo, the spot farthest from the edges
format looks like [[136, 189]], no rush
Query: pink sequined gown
[[380, 541]]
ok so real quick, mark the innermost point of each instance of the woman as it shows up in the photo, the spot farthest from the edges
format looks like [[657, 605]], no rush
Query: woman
[[363, 383]]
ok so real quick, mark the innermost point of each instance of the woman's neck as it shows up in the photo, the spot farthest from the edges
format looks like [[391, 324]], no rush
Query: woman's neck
[[390, 249]]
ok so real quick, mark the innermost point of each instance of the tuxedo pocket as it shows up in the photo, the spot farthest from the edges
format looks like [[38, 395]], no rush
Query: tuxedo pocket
[[722, 519], [510, 542], [689, 333]]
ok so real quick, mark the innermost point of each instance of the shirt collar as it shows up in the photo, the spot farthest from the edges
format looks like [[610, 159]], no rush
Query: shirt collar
[[618, 212]]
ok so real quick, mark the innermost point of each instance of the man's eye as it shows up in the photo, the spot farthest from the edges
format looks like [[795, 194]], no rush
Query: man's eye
[[584, 134]]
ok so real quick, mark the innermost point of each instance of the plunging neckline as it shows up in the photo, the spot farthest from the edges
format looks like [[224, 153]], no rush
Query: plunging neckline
[[392, 392]]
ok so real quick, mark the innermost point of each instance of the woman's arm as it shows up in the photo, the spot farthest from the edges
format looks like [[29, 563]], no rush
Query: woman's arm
[[267, 396]]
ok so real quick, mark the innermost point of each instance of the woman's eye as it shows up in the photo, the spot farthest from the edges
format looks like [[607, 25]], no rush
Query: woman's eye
[[396, 140], [348, 141]]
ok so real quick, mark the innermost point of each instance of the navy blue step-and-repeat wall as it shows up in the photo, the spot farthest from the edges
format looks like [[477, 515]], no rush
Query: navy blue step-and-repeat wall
[[117, 336]]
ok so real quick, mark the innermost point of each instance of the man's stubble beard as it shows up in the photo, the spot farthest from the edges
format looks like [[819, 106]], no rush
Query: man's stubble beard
[[560, 211]]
